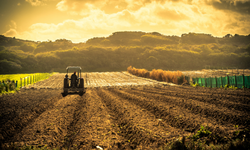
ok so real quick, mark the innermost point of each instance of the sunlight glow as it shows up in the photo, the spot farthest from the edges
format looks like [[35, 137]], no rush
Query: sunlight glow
[[103, 17]]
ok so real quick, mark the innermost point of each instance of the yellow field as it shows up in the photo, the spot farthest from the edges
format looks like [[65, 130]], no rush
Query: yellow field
[[18, 76], [14, 76], [26, 80]]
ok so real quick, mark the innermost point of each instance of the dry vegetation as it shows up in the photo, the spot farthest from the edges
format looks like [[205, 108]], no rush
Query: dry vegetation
[[158, 74]]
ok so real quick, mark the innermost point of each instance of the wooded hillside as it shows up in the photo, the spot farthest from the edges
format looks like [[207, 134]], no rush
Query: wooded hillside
[[122, 49]]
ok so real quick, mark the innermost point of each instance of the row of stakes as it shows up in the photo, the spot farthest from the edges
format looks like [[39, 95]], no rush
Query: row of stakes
[[23, 81]]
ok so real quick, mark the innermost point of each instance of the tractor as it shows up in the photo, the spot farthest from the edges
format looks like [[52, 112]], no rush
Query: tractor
[[75, 83]]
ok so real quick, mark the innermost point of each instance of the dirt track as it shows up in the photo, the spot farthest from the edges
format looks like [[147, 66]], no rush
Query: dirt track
[[116, 116]]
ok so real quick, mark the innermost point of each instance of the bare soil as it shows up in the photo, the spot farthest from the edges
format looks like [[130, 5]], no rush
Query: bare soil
[[119, 111]]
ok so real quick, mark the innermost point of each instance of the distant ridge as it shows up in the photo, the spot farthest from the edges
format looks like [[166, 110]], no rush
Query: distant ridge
[[121, 49], [151, 38]]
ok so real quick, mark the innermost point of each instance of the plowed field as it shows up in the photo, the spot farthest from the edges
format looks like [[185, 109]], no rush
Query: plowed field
[[118, 111]]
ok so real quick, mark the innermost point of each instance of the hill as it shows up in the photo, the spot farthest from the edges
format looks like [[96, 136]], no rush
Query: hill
[[121, 49]]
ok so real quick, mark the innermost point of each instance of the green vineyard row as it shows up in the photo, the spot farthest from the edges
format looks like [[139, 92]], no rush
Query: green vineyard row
[[13, 83], [227, 81]]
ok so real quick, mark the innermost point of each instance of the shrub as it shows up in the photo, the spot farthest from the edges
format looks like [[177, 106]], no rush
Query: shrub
[[7, 86], [11, 86], [161, 75], [194, 85], [181, 79], [2, 88], [203, 132]]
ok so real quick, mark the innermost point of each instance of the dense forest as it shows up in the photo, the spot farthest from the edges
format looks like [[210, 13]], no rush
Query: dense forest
[[122, 49]]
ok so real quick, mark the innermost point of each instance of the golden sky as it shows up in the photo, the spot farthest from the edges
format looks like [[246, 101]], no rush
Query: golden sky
[[79, 20]]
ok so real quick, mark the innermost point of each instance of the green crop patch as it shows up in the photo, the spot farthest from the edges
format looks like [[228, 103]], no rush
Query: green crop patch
[[9, 83]]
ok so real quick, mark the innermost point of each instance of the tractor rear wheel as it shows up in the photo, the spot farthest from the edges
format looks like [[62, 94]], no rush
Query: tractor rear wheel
[[81, 93], [65, 93], [81, 83]]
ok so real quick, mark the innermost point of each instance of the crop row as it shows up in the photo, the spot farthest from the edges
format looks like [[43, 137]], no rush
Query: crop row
[[13, 82]]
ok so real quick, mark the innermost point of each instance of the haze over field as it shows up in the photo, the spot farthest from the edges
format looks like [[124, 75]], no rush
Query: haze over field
[[80, 20]]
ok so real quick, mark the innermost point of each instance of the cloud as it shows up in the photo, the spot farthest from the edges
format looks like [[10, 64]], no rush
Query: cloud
[[62, 6], [170, 13], [98, 24], [36, 2], [173, 17], [240, 6], [78, 7], [84, 7], [10, 33], [13, 24]]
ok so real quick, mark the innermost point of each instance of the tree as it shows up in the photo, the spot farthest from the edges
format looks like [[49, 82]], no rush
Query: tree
[[9, 66], [228, 36], [2, 48], [206, 50], [27, 48]]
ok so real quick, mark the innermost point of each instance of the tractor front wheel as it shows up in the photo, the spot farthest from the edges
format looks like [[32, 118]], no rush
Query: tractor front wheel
[[66, 83]]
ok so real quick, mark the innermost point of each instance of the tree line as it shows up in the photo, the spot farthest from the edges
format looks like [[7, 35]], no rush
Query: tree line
[[122, 49]]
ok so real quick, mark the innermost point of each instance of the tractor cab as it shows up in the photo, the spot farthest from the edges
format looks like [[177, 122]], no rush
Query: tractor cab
[[75, 82], [75, 76]]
